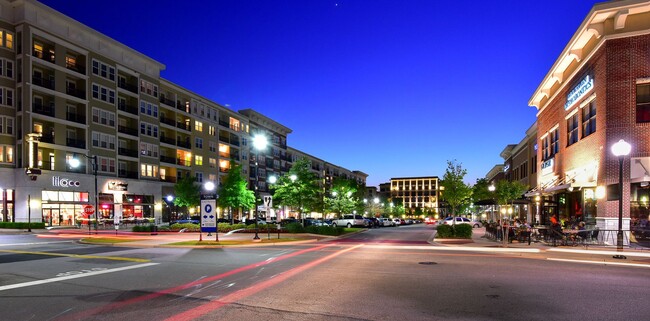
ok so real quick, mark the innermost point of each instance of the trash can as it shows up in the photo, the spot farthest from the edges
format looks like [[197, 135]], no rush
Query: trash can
[[154, 229]]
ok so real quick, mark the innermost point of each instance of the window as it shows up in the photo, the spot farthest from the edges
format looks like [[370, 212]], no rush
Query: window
[[643, 103], [6, 39], [212, 130], [148, 129], [199, 177], [147, 108], [6, 97], [198, 142], [100, 69], [198, 126], [213, 162], [102, 140], [148, 170], [148, 88], [7, 68], [6, 125], [572, 129], [6, 154], [106, 165], [212, 146], [550, 145], [103, 117], [589, 119], [198, 160], [104, 94], [234, 124], [150, 150]]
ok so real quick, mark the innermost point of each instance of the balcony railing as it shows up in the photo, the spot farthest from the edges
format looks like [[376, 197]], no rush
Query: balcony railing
[[133, 131], [168, 179], [46, 83], [43, 110], [47, 138], [77, 118], [183, 126], [167, 159], [167, 140], [127, 108], [127, 174], [167, 101], [76, 67], [183, 162], [127, 152], [127, 86], [77, 143], [45, 55], [75, 92], [184, 144], [168, 121], [224, 123]]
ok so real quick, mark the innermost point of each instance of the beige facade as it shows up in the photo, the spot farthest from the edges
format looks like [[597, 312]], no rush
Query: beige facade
[[416, 193]]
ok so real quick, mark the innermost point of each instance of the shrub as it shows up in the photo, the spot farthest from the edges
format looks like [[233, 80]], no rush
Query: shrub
[[294, 228], [463, 231], [22, 225], [325, 230]]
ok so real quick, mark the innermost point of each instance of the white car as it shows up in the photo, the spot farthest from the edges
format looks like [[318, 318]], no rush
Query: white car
[[385, 222], [461, 220]]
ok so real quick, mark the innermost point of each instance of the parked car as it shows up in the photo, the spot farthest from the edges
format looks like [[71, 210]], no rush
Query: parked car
[[385, 222], [430, 221], [185, 221], [398, 221], [371, 222], [322, 222], [289, 220], [461, 220], [349, 220]]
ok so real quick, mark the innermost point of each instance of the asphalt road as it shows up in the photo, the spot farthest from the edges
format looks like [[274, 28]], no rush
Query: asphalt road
[[381, 274]]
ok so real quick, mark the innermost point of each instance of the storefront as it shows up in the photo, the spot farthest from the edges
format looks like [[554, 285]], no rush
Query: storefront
[[63, 208], [7, 205]]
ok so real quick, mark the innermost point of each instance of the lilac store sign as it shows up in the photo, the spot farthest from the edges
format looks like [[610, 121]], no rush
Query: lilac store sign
[[64, 182]]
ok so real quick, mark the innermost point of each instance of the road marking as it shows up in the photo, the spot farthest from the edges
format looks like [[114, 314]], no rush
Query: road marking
[[80, 256], [69, 277], [603, 252], [600, 262], [34, 243]]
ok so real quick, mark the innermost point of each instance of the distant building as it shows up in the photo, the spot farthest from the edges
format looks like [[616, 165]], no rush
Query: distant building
[[416, 193]]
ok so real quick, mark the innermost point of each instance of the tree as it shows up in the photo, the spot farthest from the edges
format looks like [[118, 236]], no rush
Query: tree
[[455, 192], [298, 188], [508, 191], [343, 197], [234, 192], [188, 193], [480, 191]]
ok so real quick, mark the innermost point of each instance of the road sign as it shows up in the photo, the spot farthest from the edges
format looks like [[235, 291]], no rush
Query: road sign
[[268, 201], [89, 209], [208, 215]]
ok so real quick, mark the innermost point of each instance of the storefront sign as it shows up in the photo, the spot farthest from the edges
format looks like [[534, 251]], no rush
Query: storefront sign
[[547, 166], [118, 186], [579, 91], [64, 182]]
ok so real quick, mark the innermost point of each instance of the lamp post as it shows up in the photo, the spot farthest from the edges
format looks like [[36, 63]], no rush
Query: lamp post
[[620, 149], [170, 201], [74, 163], [259, 143], [491, 188], [209, 187], [29, 213]]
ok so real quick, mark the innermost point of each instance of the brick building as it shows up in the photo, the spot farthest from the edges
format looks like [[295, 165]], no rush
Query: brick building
[[596, 93]]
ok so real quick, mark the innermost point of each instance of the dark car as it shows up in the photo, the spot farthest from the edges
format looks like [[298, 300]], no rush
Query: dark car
[[289, 220], [186, 221], [371, 222]]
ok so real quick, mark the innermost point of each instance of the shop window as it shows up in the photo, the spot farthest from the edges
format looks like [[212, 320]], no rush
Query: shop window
[[643, 103]]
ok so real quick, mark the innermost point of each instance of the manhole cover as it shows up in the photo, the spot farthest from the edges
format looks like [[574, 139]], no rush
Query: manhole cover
[[428, 263]]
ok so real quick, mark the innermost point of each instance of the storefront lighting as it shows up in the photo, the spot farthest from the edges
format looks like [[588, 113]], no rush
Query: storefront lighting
[[158, 206], [600, 192]]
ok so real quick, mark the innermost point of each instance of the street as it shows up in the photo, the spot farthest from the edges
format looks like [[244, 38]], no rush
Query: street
[[379, 274]]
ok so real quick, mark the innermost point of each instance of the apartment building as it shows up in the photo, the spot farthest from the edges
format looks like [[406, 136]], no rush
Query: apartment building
[[417, 193], [68, 92], [595, 94]]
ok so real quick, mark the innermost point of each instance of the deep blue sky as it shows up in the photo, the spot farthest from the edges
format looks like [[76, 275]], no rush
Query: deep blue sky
[[391, 88]]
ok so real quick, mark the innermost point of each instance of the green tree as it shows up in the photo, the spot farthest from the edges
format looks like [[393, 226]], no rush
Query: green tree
[[188, 193], [455, 192], [298, 188], [480, 191], [234, 192], [343, 197], [508, 191]]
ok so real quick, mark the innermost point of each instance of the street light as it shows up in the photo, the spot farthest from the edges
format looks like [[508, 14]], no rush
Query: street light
[[74, 163], [620, 149], [492, 188], [259, 143], [170, 201]]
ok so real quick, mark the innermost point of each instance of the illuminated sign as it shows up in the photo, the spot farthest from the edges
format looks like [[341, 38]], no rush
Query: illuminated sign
[[64, 182], [579, 91], [118, 186], [547, 166]]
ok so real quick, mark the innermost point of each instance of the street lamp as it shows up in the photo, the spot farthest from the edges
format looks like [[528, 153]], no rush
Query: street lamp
[[492, 188], [620, 149], [259, 143], [74, 163], [170, 201]]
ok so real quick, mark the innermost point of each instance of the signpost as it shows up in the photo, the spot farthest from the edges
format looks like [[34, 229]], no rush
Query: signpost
[[209, 216], [89, 210], [268, 203]]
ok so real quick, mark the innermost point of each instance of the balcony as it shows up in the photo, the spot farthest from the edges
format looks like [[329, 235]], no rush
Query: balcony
[[167, 140], [75, 92], [184, 144], [77, 118], [76, 67], [47, 138], [166, 101], [133, 131], [46, 83], [183, 126], [127, 174], [44, 55], [168, 179], [181, 107], [167, 121], [127, 108], [127, 152], [224, 123], [183, 162], [127, 86], [77, 143], [43, 110], [167, 159]]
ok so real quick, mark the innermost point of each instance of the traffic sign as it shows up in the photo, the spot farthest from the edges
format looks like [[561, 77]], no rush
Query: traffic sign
[[208, 215], [89, 209], [268, 201]]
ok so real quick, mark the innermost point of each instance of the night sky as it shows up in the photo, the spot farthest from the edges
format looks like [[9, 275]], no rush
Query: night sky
[[391, 88]]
